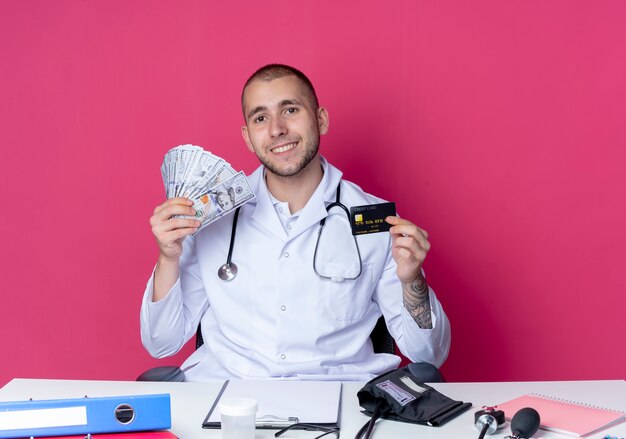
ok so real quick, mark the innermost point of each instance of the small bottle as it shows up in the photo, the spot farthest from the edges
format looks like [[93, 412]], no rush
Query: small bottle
[[238, 417]]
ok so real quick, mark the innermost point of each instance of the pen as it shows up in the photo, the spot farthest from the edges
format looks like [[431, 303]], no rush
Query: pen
[[270, 421]]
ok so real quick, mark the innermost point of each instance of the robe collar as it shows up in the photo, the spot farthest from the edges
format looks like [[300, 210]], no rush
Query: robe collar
[[264, 213]]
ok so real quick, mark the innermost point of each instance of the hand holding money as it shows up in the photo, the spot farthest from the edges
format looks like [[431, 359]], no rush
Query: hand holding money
[[171, 222], [213, 186]]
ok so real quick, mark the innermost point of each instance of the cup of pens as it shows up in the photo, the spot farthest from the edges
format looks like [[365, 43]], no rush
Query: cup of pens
[[238, 418]]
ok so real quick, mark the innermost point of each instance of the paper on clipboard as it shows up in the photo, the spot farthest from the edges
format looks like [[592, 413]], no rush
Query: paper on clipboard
[[283, 402]]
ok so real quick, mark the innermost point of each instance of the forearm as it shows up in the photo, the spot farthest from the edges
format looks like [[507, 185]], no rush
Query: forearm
[[162, 321], [166, 274], [416, 300], [431, 343]]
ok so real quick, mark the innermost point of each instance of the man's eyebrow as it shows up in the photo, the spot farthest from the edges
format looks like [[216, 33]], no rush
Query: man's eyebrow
[[256, 110], [283, 103], [287, 102]]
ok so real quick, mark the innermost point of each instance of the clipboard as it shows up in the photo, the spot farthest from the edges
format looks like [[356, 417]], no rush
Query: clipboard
[[282, 403]]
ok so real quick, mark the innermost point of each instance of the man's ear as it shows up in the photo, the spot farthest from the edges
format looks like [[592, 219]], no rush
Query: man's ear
[[322, 120], [246, 137]]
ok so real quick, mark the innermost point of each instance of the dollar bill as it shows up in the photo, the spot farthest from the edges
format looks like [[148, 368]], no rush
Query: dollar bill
[[222, 199], [208, 180], [198, 173], [220, 172], [187, 169], [173, 166], [187, 158]]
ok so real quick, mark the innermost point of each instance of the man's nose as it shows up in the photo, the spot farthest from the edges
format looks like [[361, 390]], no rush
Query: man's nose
[[278, 127]]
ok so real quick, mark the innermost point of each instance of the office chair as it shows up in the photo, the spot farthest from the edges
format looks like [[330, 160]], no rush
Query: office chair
[[382, 342]]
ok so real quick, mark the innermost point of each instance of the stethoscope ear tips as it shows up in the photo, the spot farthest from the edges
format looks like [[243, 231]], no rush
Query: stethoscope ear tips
[[227, 271]]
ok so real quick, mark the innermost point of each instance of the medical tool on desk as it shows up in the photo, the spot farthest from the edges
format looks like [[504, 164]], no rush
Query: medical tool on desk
[[324, 429], [488, 421], [524, 424], [228, 271], [399, 395]]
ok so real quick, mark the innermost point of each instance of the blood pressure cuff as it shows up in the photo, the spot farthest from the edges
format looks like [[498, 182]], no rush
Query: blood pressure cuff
[[399, 396]]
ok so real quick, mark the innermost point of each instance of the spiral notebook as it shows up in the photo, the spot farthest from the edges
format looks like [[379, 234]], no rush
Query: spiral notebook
[[563, 416]]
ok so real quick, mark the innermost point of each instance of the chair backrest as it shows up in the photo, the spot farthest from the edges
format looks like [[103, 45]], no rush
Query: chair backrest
[[381, 338], [199, 340]]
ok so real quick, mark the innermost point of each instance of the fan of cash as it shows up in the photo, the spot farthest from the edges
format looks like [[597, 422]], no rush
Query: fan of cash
[[215, 188]]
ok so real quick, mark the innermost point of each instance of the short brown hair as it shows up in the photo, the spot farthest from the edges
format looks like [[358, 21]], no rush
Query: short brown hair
[[270, 72]]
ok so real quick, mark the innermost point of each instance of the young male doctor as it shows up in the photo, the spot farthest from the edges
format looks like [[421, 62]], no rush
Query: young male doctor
[[291, 311]]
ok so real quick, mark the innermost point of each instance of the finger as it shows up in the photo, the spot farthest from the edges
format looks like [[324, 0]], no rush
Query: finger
[[178, 234], [404, 253], [172, 238], [410, 253], [411, 244], [408, 229], [411, 230], [167, 212], [173, 201], [424, 232], [395, 220], [406, 242], [402, 224], [174, 224]]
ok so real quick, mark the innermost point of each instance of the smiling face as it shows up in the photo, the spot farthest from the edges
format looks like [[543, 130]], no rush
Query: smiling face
[[282, 126]]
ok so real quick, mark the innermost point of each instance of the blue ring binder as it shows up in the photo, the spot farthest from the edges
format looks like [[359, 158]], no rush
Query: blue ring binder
[[84, 416]]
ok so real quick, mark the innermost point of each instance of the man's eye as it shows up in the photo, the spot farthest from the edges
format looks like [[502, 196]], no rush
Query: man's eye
[[259, 119], [291, 110]]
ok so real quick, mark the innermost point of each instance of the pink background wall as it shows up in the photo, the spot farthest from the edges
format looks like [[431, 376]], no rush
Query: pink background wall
[[498, 126]]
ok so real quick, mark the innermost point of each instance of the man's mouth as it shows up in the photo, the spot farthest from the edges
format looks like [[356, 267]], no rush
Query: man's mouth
[[284, 148]]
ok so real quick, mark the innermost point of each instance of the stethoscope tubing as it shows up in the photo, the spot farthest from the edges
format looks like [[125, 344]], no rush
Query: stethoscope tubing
[[232, 237], [336, 203], [228, 271]]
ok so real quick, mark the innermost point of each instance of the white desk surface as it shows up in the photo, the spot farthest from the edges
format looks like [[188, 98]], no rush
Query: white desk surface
[[191, 402]]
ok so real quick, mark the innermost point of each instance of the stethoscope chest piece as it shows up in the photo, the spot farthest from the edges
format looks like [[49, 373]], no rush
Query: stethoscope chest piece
[[227, 271]]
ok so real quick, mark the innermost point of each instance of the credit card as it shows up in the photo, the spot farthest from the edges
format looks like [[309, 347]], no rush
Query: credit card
[[371, 218]]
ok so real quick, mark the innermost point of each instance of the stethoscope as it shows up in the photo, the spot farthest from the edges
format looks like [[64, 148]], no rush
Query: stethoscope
[[228, 271]]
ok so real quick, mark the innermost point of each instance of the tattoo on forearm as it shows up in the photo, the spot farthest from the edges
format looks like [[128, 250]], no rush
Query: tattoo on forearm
[[417, 302]]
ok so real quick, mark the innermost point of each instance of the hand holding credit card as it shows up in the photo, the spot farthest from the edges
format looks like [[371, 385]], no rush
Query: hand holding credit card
[[370, 218]]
